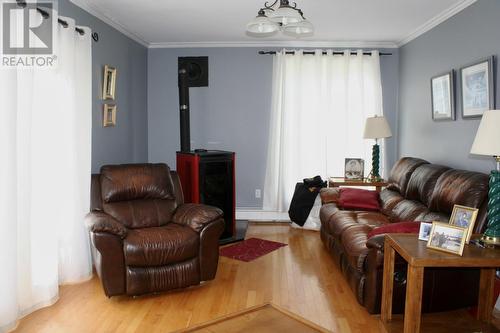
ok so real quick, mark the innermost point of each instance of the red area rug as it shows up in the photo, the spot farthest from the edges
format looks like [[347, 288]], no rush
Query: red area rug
[[250, 249]]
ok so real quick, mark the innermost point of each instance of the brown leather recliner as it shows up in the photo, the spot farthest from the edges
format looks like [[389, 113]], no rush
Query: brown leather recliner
[[144, 238], [417, 191]]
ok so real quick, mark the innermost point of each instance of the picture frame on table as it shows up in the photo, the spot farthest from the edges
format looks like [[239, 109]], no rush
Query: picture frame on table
[[109, 115], [443, 96], [477, 83], [354, 169], [447, 238], [464, 217], [109, 83], [425, 231]]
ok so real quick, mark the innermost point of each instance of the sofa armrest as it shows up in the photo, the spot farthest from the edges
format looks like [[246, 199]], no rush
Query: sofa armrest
[[329, 195], [376, 242], [102, 222], [196, 216]]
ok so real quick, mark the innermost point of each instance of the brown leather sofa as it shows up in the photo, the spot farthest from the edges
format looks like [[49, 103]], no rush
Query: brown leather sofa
[[144, 238], [417, 191]]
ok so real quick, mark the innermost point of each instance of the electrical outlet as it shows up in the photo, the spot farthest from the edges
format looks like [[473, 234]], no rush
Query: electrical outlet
[[258, 193]]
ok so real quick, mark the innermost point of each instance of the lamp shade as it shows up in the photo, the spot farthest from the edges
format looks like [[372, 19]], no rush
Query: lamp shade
[[262, 25], [299, 29], [487, 141], [377, 128]]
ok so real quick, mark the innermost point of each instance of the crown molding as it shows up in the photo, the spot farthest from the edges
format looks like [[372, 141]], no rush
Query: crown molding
[[109, 21], [435, 21], [303, 43]]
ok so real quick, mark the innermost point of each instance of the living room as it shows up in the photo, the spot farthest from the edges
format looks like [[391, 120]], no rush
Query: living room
[[282, 105]]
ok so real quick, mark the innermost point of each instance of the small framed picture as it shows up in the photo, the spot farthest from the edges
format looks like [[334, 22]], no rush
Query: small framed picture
[[425, 231], [477, 82], [464, 217], [109, 83], [109, 115], [443, 96], [447, 238], [354, 168]]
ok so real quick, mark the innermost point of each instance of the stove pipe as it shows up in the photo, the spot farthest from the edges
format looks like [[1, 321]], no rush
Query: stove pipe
[[184, 109]]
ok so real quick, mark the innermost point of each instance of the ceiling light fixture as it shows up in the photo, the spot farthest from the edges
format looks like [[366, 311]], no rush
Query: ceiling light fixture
[[285, 17]]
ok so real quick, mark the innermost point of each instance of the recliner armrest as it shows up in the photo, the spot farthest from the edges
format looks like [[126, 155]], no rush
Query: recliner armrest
[[102, 222], [196, 216], [376, 242]]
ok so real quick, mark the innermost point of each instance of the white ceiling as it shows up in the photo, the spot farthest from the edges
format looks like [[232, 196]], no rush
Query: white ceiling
[[349, 23]]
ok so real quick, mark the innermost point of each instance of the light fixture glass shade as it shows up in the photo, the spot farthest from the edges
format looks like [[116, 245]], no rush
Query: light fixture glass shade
[[299, 29], [377, 128], [262, 25], [285, 15], [487, 141]]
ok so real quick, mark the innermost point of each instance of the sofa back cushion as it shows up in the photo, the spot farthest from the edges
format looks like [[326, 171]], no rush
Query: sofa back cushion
[[422, 182], [458, 187], [401, 173], [138, 195]]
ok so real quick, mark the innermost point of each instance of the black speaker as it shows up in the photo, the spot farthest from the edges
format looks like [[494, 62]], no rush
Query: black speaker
[[197, 68]]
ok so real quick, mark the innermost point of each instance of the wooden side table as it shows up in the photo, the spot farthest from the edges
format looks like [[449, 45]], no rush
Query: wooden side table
[[341, 181], [417, 255]]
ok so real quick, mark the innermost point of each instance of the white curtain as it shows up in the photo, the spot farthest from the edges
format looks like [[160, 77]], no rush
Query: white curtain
[[319, 107], [45, 149]]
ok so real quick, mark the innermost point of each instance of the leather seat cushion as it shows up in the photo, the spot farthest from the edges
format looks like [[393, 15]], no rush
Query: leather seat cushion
[[354, 241], [345, 219], [159, 246], [389, 199]]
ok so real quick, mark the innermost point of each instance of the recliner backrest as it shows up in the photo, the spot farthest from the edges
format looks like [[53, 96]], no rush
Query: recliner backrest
[[422, 182], [459, 187], [138, 195], [401, 173]]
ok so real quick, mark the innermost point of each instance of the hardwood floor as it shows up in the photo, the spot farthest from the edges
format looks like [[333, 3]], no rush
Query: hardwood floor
[[300, 278]]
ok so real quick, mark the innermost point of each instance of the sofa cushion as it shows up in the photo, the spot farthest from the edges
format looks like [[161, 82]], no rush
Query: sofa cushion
[[388, 200], [401, 173], [433, 216], [358, 199], [406, 227], [458, 187], [344, 219], [160, 246], [422, 182], [136, 181], [407, 210], [329, 195]]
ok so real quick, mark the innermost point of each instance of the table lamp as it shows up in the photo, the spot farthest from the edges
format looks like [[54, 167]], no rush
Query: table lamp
[[376, 128], [487, 142]]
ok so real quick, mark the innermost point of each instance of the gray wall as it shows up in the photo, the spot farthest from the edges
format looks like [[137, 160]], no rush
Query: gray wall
[[127, 141], [471, 35], [233, 112]]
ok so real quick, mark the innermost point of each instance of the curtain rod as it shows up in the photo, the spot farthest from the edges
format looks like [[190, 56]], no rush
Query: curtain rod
[[313, 52], [45, 15]]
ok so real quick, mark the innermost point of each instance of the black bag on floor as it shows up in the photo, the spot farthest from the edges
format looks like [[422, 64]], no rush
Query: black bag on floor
[[303, 199]]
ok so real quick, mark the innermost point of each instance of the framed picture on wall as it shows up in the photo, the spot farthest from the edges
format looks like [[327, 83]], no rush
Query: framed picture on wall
[[443, 96], [109, 83], [477, 83], [109, 115]]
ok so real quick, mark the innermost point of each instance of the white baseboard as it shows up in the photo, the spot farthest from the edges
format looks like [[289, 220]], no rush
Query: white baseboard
[[261, 215]]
